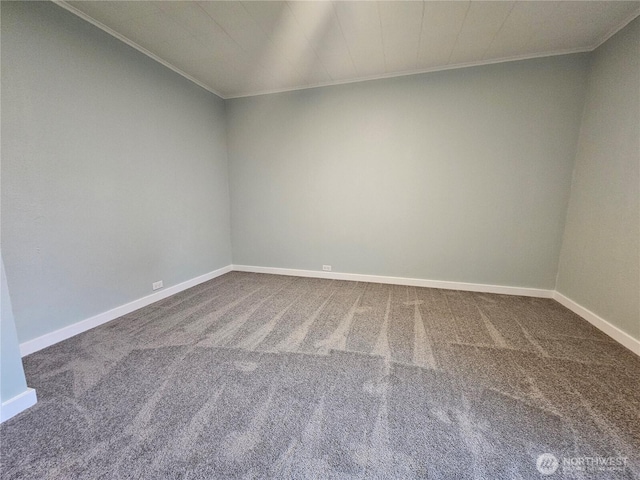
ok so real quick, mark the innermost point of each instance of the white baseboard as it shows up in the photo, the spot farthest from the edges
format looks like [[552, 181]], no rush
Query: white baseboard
[[600, 323], [57, 336], [18, 404], [412, 282], [48, 339]]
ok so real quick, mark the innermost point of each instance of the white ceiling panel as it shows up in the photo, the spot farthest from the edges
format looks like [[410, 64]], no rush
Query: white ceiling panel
[[330, 41], [442, 21], [361, 27], [481, 24], [183, 52], [234, 19], [267, 14], [525, 20], [316, 75], [153, 30], [112, 13], [315, 20], [245, 48], [339, 67], [401, 26], [286, 52], [190, 16], [574, 25]]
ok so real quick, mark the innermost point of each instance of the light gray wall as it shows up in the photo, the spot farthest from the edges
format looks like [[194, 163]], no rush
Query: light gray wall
[[12, 381], [460, 175], [114, 171], [599, 265]]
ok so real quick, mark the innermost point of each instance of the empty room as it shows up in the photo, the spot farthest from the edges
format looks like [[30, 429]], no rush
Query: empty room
[[320, 239]]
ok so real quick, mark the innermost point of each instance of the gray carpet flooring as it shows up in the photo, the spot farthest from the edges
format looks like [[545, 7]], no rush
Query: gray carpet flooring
[[263, 376]]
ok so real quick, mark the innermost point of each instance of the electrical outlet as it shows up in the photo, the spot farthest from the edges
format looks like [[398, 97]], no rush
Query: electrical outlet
[[157, 285], [326, 268]]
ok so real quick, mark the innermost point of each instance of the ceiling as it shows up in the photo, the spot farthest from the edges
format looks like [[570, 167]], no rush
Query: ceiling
[[236, 48]]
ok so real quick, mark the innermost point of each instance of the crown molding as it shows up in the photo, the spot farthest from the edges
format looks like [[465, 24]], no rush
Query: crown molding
[[616, 29], [122, 38], [442, 68], [514, 58]]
